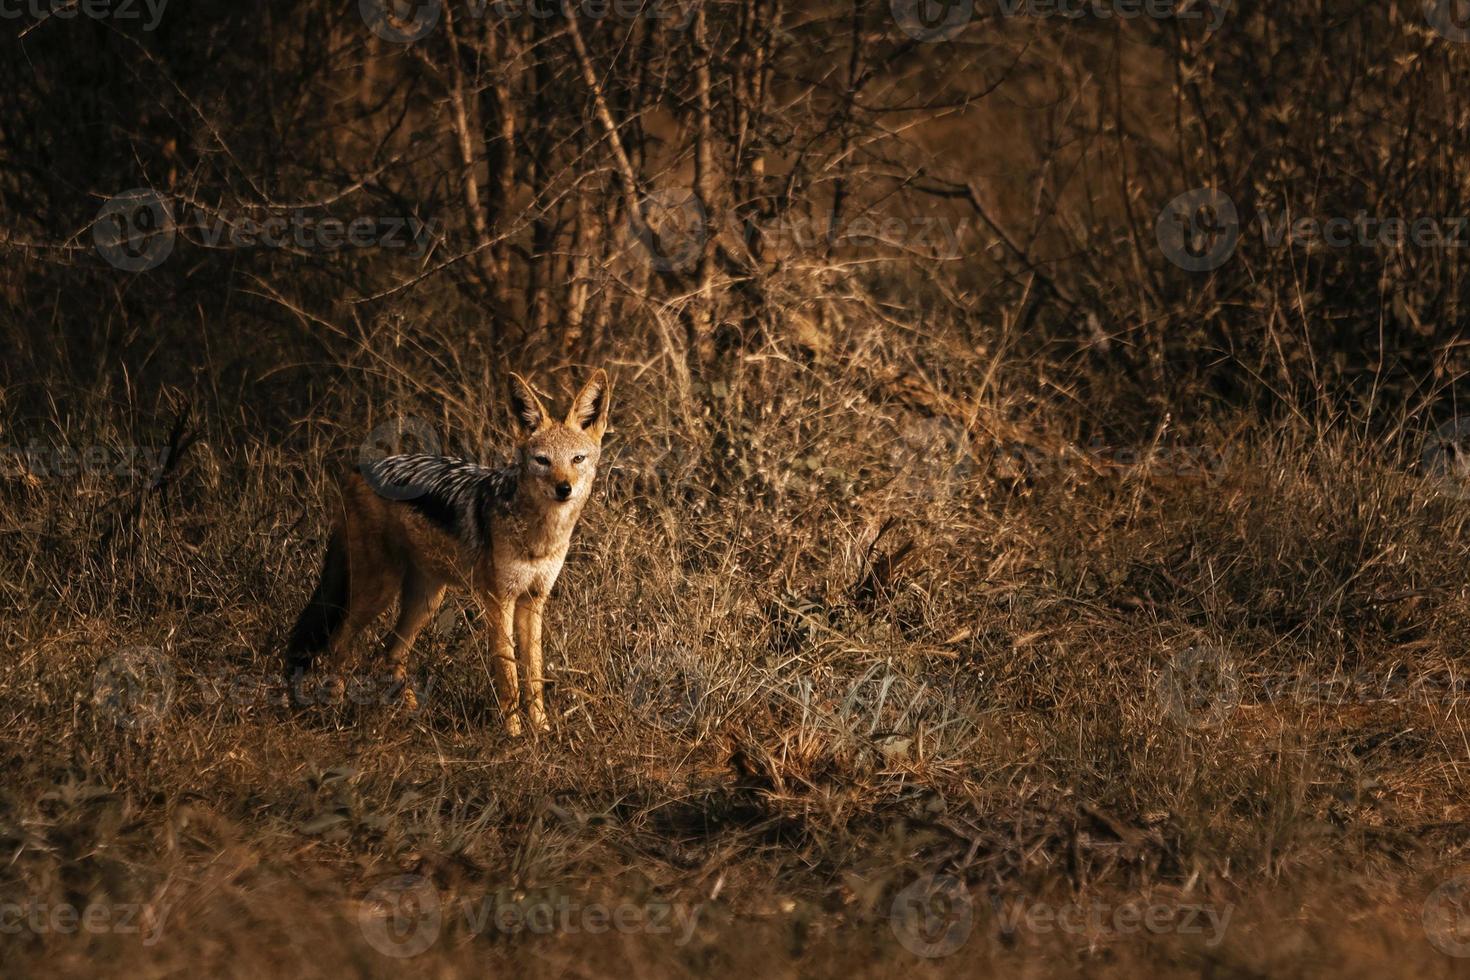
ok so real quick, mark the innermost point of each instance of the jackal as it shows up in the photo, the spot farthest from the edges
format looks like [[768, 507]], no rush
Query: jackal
[[413, 526]]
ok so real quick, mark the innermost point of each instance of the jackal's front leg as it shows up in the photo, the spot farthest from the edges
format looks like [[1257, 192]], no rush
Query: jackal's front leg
[[528, 639], [503, 610]]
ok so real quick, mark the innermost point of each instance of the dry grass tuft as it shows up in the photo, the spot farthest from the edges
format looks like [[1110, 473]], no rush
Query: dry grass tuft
[[813, 643]]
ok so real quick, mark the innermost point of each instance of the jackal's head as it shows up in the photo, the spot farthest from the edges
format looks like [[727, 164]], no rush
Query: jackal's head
[[558, 459]]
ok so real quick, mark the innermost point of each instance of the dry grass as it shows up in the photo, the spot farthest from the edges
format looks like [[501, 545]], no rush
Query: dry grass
[[811, 645], [1008, 568]]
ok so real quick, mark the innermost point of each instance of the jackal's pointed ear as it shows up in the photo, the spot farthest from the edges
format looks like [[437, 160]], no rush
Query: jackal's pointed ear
[[589, 408], [524, 405]]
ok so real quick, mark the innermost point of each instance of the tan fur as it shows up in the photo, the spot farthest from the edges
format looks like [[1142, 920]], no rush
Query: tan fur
[[393, 551]]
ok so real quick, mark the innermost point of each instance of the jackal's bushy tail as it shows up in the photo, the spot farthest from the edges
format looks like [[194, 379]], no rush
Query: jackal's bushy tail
[[324, 613]]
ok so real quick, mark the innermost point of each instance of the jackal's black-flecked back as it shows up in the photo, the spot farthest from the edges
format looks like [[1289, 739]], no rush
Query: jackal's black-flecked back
[[454, 494]]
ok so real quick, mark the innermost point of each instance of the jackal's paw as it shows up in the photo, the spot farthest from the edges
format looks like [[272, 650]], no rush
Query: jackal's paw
[[407, 700], [513, 725], [333, 690], [298, 694], [539, 724]]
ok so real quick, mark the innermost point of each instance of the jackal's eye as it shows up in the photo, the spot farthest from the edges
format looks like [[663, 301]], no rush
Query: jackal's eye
[[578, 460], [544, 460]]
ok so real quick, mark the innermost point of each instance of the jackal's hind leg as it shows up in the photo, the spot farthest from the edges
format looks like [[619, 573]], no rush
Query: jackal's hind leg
[[416, 606], [369, 596]]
